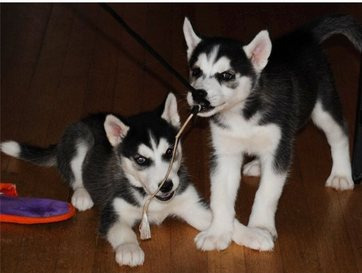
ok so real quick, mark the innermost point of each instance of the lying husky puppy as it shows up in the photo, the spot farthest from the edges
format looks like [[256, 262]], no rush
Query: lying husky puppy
[[108, 160], [113, 161], [257, 97]]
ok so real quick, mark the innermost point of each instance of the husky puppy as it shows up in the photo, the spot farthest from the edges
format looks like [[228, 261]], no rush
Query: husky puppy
[[257, 96], [113, 162]]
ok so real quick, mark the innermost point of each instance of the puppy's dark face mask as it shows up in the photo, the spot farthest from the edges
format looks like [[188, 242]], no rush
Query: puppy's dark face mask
[[223, 71]]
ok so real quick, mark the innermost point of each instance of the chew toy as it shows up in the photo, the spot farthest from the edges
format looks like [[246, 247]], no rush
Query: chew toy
[[144, 227], [28, 210]]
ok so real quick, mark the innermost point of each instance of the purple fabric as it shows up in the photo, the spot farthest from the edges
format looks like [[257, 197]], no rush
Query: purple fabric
[[32, 207]]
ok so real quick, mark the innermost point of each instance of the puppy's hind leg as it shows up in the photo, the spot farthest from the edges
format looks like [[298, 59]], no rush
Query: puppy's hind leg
[[331, 123], [252, 168], [72, 149], [81, 198]]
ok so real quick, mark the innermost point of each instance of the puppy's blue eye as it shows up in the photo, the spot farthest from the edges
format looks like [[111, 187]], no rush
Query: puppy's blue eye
[[141, 160], [196, 72]]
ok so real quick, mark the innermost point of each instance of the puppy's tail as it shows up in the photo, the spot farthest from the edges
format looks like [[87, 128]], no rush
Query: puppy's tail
[[36, 155], [346, 25]]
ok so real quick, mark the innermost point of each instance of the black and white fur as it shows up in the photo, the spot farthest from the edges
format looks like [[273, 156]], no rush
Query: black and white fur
[[98, 157], [113, 161], [257, 97]]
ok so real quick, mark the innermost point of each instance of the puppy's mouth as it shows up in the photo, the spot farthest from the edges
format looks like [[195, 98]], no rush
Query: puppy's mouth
[[206, 109], [200, 106], [165, 196]]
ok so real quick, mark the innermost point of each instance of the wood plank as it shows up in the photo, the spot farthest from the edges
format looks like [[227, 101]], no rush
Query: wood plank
[[130, 85], [79, 237], [19, 57], [34, 118], [298, 248], [332, 241]]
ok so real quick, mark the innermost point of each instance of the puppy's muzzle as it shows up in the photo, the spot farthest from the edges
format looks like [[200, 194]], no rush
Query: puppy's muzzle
[[199, 97], [166, 191], [167, 186]]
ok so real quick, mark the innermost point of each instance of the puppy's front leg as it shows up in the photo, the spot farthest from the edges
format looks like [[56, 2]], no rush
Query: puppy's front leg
[[225, 180], [124, 242], [188, 207], [123, 239], [267, 197]]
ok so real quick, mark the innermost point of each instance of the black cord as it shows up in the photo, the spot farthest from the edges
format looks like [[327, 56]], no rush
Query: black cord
[[143, 43]]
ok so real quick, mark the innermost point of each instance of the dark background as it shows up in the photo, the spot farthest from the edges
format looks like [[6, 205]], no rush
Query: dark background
[[62, 61]]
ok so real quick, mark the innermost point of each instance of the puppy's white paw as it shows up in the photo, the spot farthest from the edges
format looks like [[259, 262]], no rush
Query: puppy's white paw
[[254, 238], [81, 199], [340, 182], [252, 168], [212, 239], [130, 254]]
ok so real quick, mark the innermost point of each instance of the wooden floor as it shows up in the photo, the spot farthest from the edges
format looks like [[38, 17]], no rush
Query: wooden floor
[[60, 62]]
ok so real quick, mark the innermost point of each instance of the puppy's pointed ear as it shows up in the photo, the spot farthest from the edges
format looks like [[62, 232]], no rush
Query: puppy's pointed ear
[[192, 40], [115, 129], [170, 113], [258, 50]]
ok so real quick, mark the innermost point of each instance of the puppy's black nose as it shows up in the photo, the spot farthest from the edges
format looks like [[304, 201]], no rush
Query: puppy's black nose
[[167, 186], [199, 94]]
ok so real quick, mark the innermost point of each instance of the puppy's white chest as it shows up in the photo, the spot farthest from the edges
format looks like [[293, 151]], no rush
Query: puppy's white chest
[[245, 136], [157, 211]]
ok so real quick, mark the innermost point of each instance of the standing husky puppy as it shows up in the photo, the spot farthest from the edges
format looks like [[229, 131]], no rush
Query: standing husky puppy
[[113, 161], [257, 97]]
